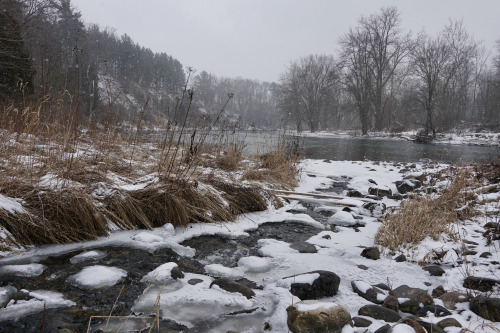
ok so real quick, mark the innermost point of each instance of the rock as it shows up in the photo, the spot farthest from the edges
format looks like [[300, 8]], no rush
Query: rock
[[437, 292], [304, 247], [327, 284], [383, 329], [371, 253], [195, 281], [434, 270], [451, 298], [485, 255], [354, 194], [382, 286], [327, 237], [414, 296], [233, 287], [249, 283], [469, 253], [449, 322], [380, 313], [436, 310], [380, 191], [375, 208], [311, 316], [372, 181], [413, 324], [391, 302], [479, 283], [486, 307], [361, 322], [176, 273], [400, 258], [368, 292], [6, 294], [363, 267], [431, 327], [408, 185]]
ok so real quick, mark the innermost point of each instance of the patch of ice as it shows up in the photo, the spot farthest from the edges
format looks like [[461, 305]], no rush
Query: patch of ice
[[301, 307], [95, 277], [255, 264], [302, 278], [28, 270], [219, 270], [160, 274], [88, 255], [147, 237]]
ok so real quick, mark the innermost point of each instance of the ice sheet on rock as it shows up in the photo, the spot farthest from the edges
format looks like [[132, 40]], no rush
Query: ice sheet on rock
[[87, 255], [42, 299], [302, 278], [96, 277], [147, 237], [219, 270], [28, 270], [161, 274], [254, 264]]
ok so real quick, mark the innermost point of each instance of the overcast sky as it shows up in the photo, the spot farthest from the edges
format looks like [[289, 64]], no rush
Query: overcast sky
[[258, 39]]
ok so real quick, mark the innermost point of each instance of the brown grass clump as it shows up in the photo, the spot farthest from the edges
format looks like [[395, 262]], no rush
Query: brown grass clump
[[230, 159], [241, 199], [429, 216]]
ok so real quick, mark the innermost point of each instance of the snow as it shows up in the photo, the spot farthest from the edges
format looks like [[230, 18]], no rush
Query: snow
[[303, 307], [11, 205], [86, 256], [402, 328], [28, 270], [161, 274], [219, 270], [254, 264], [303, 278], [147, 237], [363, 286], [96, 277], [342, 218]]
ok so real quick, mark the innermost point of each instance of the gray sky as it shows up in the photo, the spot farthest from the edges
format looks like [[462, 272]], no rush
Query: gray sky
[[257, 39]]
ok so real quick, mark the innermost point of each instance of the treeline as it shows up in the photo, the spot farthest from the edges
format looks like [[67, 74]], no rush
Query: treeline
[[47, 52], [385, 79]]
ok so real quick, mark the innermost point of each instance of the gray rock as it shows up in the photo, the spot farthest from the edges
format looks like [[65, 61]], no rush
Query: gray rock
[[485, 255], [331, 319], [361, 322], [486, 307], [371, 253], [449, 322], [327, 284], [195, 281], [400, 258], [380, 192], [479, 283], [436, 310], [431, 327], [372, 294], [380, 313], [416, 297], [391, 302], [375, 208], [176, 273], [304, 247], [383, 329], [438, 291], [434, 270], [407, 185], [233, 287], [451, 298]]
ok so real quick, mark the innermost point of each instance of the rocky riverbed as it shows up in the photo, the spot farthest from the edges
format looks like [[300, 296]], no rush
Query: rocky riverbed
[[310, 265]]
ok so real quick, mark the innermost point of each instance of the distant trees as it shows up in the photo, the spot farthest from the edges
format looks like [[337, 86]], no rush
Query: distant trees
[[307, 90]]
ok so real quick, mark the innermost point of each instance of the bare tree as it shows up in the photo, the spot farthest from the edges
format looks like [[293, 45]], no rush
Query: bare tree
[[306, 90]]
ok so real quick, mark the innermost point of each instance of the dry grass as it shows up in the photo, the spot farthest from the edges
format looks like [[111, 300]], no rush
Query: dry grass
[[429, 216]]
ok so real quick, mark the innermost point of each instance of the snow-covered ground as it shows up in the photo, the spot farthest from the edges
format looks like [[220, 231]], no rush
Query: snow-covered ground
[[193, 299]]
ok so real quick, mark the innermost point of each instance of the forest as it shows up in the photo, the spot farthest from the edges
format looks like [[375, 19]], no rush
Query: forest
[[380, 78]]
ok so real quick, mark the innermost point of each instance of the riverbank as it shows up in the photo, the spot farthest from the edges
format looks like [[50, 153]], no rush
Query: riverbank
[[217, 277]]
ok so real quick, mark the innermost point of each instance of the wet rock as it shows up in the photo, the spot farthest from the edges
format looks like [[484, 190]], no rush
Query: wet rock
[[438, 292], [380, 313], [451, 298], [375, 208], [436, 310], [434, 270], [400, 258], [327, 284], [311, 316], [449, 322], [414, 296], [479, 283], [368, 292], [304, 247], [233, 287], [195, 281], [361, 322], [407, 185], [380, 191], [371, 253], [485, 255], [391, 302], [486, 307]]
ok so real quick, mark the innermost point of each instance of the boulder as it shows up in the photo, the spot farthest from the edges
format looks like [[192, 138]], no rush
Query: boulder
[[479, 283], [391, 302], [436, 310], [361, 322], [413, 324], [327, 284], [438, 291], [5, 295], [304, 247], [431, 327], [380, 313], [449, 322], [368, 292], [376, 209], [413, 298], [434, 270], [380, 191], [407, 185], [451, 298], [311, 316], [354, 194], [383, 329], [233, 287], [371, 253], [400, 258], [486, 307]]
